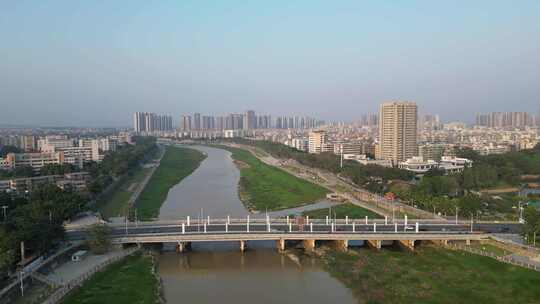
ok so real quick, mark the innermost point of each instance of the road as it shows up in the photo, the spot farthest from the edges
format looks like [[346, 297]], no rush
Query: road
[[220, 226]]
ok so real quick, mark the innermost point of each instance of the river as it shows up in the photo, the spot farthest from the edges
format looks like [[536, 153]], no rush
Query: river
[[218, 272]]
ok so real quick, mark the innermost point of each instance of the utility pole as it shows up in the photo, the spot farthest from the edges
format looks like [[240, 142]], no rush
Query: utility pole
[[472, 221], [341, 159], [457, 209], [22, 282], [520, 209]]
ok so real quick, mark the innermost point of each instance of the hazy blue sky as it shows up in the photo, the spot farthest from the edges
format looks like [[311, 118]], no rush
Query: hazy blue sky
[[94, 62]]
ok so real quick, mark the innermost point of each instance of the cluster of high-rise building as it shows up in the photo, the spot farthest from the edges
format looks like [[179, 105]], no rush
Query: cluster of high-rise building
[[144, 122], [507, 119], [150, 123], [245, 121], [23, 142]]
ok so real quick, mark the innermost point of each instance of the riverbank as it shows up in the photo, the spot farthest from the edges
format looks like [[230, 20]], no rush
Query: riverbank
[[341, 211], [176, 164], [115, 201], [431, 275], [130, 280], [263, 187]]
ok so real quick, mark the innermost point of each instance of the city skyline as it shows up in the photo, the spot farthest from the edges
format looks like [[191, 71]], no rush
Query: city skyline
[[199, 57]]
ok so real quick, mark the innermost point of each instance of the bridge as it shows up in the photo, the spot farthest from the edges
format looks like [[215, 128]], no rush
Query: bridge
[[375, 233]]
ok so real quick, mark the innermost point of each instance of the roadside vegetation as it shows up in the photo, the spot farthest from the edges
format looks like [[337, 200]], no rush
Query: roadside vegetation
[[263, 187], [115, 203], [130, 280], [435, 192], [119, 163], [176, 164], [444, 193], [431, 275], [371, 177], [37, 218], [341, 211]]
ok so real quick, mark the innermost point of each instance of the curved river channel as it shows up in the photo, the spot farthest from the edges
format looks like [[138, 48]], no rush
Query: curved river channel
[[218, 272]]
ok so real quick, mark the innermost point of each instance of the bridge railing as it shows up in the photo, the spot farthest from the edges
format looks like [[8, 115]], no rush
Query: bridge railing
[[285, 220]]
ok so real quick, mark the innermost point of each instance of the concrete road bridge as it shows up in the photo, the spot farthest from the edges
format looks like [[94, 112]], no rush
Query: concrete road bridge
[[375, 233]]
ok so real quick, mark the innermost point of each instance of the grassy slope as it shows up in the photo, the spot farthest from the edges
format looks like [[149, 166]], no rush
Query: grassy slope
[[127, 281], [353, 211], [433, 275], [176, 164], [116, 203], [263, 186]]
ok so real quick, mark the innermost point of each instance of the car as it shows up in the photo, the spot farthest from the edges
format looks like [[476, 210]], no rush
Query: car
[[409, 228]]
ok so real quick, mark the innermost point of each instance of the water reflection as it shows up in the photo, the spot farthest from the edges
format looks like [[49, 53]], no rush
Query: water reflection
[[261, 276]]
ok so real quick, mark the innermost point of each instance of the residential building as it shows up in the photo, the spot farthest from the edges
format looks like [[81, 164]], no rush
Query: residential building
[[398, 131], [317, 141], [34, 160], [250, 120]]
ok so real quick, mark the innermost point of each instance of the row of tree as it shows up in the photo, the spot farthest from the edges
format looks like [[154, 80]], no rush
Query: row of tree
[[116, 164], [37, 220], [363, 175]]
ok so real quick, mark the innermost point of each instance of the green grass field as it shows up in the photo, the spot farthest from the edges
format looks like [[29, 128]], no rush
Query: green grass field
[[176, 164], [265, 187], [432, 275], [340, 211], [127, 281], [116, 203]]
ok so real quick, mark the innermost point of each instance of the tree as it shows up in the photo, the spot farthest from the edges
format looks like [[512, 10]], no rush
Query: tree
[[7, 252], [98, 238], [5, 150], [531, 228]]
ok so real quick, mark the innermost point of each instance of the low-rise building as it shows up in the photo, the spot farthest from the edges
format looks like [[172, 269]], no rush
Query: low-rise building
[[449, 164], [418, 165], [34, 160], [76, 181]]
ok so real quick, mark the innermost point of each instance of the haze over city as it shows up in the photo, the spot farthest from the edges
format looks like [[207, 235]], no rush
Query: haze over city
[[67, 63]]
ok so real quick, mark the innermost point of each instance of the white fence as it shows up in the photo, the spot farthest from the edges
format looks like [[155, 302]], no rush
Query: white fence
[[505, 259], [77, 282]]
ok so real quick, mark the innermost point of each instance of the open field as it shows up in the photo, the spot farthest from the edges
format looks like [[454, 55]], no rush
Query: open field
[[127, 281], [265, 187], [432, 275], [340, 211], [176, 164]]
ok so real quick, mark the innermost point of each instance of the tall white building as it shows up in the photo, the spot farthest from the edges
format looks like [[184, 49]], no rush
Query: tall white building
[[397, 131]]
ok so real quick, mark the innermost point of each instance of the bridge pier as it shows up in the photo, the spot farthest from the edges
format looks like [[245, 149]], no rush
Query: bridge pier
[[309, 245], [407, 244], [375, 244], [280, 244], [182, 247], [342, 245], [468, 242], [242, 246]]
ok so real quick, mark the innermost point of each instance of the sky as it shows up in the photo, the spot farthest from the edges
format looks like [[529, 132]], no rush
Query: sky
[[93, 63]]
